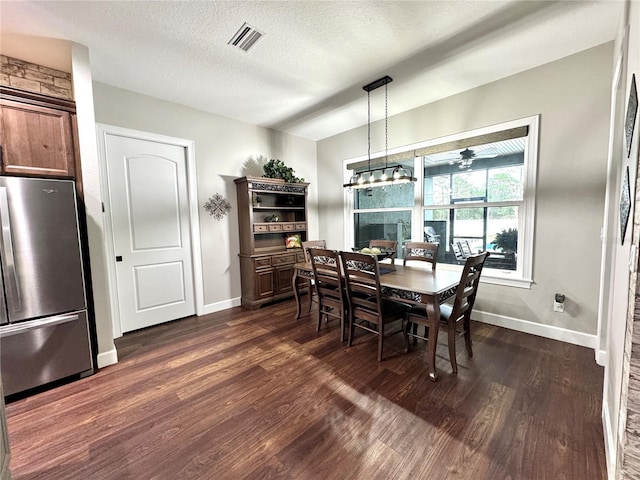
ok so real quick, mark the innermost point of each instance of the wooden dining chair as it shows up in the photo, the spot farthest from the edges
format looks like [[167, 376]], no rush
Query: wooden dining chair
[[454, 315], [368, 310], [327, 275], [422, 252], [387, 244], [307, 258]]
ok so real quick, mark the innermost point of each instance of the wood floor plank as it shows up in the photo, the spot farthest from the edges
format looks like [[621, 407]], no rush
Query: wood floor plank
[[257, 394]]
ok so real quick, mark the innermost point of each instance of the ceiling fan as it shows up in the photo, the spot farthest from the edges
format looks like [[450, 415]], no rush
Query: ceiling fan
[[465, 157]]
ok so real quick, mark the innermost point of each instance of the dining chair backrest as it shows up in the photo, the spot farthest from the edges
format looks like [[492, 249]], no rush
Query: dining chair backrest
[[327, 273], [312, 244], [468, 287], [421, 251], [362, 282], [386, 244]]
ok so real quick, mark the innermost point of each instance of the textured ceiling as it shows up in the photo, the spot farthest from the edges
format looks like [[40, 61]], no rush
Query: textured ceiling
[[305, 76]]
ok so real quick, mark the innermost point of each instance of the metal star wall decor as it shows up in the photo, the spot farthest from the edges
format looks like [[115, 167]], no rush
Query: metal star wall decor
[[217, 206]]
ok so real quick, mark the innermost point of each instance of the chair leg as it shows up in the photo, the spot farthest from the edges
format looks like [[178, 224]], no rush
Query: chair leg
[[351, 329], [415, 333], [406, 324], [452, 346], [309, 293], [343, 325], [467, 336], [380, 341], [320, 312]]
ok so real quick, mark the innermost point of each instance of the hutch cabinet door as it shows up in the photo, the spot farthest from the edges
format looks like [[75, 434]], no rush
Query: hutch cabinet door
[[284, 276], [36, 140], [264, 283]]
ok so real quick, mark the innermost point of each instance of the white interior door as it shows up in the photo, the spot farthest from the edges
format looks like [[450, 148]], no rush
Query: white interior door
[[151, 235]]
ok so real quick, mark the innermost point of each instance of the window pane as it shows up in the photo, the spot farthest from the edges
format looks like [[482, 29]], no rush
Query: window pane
[[502, 237], [468, 225], [470, 186], [504, 221], [505, 184], [436, 230], [437, 190], [390, 196], [382, 225], [479, 227]]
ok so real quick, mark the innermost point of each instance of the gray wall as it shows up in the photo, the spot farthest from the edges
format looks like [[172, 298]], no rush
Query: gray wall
[[225, 149], [572, 96]]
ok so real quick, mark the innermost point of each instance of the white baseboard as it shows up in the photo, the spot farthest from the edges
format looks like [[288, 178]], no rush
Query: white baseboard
[[547, 331], [108, 358], [224, 305], [609, 442]]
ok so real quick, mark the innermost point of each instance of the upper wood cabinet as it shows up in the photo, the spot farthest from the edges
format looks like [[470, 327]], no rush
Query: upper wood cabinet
[[37, 135]]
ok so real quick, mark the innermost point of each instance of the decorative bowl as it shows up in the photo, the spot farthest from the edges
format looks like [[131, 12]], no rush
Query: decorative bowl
[[384, 252]]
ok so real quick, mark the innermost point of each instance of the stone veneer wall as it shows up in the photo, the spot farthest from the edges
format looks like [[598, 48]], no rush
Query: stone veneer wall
[[35, 78], [629, 422]]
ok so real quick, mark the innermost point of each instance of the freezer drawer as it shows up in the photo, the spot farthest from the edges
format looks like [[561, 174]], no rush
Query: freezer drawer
[[40, 351]]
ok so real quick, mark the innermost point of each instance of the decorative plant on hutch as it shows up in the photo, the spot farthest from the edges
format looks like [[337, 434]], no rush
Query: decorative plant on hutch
[[275, 168]]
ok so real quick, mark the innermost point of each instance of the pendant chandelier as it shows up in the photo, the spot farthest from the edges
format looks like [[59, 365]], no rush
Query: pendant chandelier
[[389, 174]]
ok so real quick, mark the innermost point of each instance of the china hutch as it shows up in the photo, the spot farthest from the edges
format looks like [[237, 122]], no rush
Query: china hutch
[[272, 218]]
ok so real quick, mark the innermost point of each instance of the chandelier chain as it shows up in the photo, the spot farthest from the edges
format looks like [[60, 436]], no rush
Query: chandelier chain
[[369, 130], [386, 126]]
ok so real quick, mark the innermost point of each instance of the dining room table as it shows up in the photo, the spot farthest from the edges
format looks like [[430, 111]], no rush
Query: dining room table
[[407, 283]]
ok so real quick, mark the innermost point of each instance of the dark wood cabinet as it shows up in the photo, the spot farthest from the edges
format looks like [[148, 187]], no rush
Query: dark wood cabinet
[[270, 211], [283, 278], [264, 283], [37, 135]]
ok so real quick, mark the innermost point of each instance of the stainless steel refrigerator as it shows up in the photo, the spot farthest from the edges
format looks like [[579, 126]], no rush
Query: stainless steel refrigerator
[[44, 331]]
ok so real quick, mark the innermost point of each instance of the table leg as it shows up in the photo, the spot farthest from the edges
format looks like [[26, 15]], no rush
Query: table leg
[[433, 316], [296, 293]]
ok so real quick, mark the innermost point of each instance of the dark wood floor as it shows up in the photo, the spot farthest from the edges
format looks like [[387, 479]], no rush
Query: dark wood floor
[[242, 394]]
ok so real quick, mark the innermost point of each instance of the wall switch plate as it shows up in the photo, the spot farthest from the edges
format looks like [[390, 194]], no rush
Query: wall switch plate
[[558, 307]]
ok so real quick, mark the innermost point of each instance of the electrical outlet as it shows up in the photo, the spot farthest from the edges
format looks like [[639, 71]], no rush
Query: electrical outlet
[[558, 307]]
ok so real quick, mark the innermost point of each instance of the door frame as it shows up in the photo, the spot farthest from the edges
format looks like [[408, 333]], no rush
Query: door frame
[[194, 221]]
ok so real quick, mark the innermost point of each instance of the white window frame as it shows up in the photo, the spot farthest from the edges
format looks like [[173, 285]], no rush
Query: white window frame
[[522, 277]]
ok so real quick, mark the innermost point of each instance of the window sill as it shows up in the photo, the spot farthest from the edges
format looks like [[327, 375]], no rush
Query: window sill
[[496, 277]]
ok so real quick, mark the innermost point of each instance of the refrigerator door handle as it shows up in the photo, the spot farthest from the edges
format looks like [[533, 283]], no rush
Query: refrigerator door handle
[[11, 275], [4, 317]]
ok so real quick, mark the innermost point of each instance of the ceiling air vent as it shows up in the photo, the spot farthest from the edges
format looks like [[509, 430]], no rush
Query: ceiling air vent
[[246, 37]]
